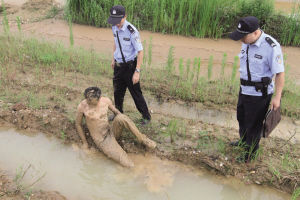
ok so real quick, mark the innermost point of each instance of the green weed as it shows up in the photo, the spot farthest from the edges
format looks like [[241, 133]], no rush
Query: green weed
[[296, 194], [18, 19], [170, 61], [150, 52], [209, 68]]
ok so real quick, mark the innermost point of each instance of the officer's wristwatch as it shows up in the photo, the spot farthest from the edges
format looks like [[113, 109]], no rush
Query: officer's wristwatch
[[137, 70]]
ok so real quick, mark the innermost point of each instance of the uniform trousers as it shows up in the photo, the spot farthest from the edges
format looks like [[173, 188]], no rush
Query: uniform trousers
[[251, 111], [123, 80]]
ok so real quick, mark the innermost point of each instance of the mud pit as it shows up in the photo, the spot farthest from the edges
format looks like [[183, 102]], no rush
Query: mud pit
[[90, 175]]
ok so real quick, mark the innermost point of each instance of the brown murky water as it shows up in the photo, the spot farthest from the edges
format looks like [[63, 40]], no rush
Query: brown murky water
[[87, 175]]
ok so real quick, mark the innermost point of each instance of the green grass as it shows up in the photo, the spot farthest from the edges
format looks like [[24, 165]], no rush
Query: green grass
[[199, 18], [296, 194], [183, 83]]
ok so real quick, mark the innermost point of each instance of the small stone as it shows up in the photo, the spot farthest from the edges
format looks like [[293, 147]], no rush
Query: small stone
[[226, 158], [257, 182], [297, 122], [221, 164], [252, 172], [151, 111]]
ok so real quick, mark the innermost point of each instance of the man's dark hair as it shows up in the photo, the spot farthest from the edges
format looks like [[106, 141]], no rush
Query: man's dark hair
[[92, 92]]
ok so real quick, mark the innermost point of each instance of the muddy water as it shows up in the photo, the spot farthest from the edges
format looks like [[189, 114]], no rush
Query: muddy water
[[85, 175], [285, 129]]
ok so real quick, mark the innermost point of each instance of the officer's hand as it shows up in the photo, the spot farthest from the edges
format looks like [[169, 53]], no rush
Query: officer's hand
[[275, 103], [135, 77], [112, 64]]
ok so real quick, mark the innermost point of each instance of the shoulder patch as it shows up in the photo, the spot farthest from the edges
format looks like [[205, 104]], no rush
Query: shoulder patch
[[130, 29], [270, 42]]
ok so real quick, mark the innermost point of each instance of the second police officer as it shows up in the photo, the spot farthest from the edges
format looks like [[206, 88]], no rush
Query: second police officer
[[260, 59], [126, 61]]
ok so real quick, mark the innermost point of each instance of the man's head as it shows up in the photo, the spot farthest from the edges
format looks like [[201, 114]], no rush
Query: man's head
[[92, 95], [117, 16], [247, 30]]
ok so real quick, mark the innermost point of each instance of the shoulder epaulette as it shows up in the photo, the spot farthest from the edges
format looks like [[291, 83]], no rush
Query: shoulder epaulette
[[130, 29], [270, 42]]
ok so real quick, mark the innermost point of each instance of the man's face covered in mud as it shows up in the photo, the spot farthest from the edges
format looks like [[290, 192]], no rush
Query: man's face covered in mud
[[92, 95]]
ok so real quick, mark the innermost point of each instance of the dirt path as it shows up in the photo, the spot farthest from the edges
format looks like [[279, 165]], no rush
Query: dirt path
[[101, 40]]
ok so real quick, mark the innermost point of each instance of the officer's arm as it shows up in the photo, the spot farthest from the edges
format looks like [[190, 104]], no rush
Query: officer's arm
[[79, 117], [137, 44], [140, 59], [279, 83], [277, 68], [113, 58]]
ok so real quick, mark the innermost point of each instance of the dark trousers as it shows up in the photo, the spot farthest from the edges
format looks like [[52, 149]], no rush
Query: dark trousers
[[123, 80], [251, 111]]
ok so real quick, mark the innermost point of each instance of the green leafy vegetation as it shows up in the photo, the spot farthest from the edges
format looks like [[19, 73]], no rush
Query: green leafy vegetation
[[199, 18]]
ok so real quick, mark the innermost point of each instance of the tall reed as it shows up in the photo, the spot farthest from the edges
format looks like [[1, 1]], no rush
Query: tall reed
[[224, 60], [150, 52], [209, 68], [18, 19], [5, 20], [181, 67], [200, 18], [234, 68], [170, 61], [71, 37]]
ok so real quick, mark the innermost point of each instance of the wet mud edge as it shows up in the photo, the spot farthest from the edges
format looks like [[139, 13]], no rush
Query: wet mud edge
[[52, 123]]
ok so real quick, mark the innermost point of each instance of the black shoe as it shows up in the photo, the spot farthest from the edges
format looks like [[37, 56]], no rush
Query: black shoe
[[111, 117], [145, 121]]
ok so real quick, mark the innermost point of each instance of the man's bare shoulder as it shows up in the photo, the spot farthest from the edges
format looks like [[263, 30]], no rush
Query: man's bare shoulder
[[82, 106], [106, 100]]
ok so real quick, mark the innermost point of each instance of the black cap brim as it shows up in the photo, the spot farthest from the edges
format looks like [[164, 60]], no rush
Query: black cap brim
[[237, 35], [114, 20]]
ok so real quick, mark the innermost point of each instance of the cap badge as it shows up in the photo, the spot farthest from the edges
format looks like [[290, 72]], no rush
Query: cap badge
[[114, 12], [239, 26]]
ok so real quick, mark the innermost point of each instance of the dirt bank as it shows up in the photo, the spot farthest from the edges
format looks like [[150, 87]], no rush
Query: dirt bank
[[56, 29]]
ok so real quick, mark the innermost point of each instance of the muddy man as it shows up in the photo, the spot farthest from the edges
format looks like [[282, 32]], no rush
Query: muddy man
[[94, 108]]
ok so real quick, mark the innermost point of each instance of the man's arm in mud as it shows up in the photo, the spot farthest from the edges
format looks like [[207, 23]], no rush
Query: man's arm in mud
[[113, 108], [78, 125]]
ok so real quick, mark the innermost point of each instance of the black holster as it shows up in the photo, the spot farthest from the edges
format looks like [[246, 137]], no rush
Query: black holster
[[259, 86], [263, 85]]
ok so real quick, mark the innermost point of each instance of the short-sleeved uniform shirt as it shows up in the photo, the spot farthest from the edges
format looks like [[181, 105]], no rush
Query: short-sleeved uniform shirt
[[130, 42], [265, 60]]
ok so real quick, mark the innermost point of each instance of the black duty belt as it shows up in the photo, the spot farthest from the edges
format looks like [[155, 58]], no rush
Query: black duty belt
[[131, 62], [261, 86]]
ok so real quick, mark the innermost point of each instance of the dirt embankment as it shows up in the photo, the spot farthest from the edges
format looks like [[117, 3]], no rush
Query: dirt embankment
[[201, 145], [41, 20]]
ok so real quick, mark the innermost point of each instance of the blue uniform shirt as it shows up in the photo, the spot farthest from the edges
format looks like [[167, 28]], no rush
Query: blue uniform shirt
[[264, 61], [130, 42]]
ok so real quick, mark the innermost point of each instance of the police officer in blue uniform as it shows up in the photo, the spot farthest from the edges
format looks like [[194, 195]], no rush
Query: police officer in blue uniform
[[126, 61], [260, 60]]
